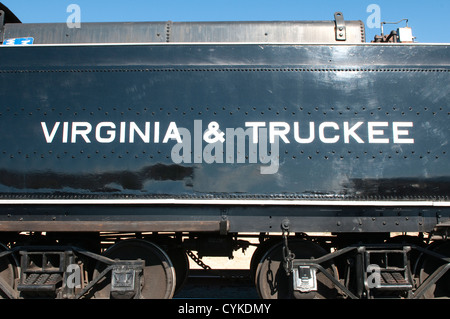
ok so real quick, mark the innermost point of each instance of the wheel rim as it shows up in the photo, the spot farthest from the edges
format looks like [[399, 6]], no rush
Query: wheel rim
[[7, 271], [273, 283], [257, 256], [442, 287], [158, 278], [181, 264]]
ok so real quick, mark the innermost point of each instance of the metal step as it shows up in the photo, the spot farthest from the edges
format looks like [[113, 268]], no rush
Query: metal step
[[389, 266], [45, 282], [393, 281]]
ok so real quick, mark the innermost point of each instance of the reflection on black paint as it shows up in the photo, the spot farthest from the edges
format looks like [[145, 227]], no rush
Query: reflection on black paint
[[94, 182], [400, 187]]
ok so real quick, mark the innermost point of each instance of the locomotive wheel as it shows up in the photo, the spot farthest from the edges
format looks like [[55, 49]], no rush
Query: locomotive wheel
[[441, 288], [158, 280], [272, 281], [7, 271], [258, 254], [180, 262]]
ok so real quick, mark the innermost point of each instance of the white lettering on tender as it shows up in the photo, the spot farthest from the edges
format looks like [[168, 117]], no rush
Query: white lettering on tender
[[257, 142], [328, 132], [105, 132]]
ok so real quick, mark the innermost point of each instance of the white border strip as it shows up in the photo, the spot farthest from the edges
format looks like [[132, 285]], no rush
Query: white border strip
[[247, 202]]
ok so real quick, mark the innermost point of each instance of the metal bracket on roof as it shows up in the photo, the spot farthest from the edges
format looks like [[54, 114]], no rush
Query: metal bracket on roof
[[341, 32]]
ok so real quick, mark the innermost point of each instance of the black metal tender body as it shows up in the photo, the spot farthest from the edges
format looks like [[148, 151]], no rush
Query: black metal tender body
[[187, 135]]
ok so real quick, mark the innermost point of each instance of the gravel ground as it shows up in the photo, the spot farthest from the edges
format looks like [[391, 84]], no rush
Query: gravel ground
[[227, 279]]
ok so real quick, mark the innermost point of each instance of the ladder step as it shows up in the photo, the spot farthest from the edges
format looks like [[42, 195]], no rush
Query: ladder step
[[40, 282], [394, 281]]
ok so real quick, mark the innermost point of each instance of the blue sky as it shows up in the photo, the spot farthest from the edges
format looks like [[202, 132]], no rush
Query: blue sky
[[430, 19]]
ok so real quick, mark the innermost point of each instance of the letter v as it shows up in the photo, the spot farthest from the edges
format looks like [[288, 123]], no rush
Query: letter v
[[49, 137]]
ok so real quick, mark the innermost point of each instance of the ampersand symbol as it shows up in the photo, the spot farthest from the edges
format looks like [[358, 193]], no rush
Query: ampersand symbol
[[213, 135]]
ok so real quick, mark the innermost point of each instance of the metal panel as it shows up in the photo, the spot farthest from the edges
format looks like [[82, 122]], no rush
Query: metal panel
[[214, 218], [60, 33], [180, 84], [264, 32], [156, 32], [196, 85]]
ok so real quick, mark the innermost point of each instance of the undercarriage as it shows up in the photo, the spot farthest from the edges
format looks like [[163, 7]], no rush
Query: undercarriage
[[283, 265]]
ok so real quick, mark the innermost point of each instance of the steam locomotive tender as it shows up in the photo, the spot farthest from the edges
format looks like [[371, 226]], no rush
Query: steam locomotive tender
[[127, 146]]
